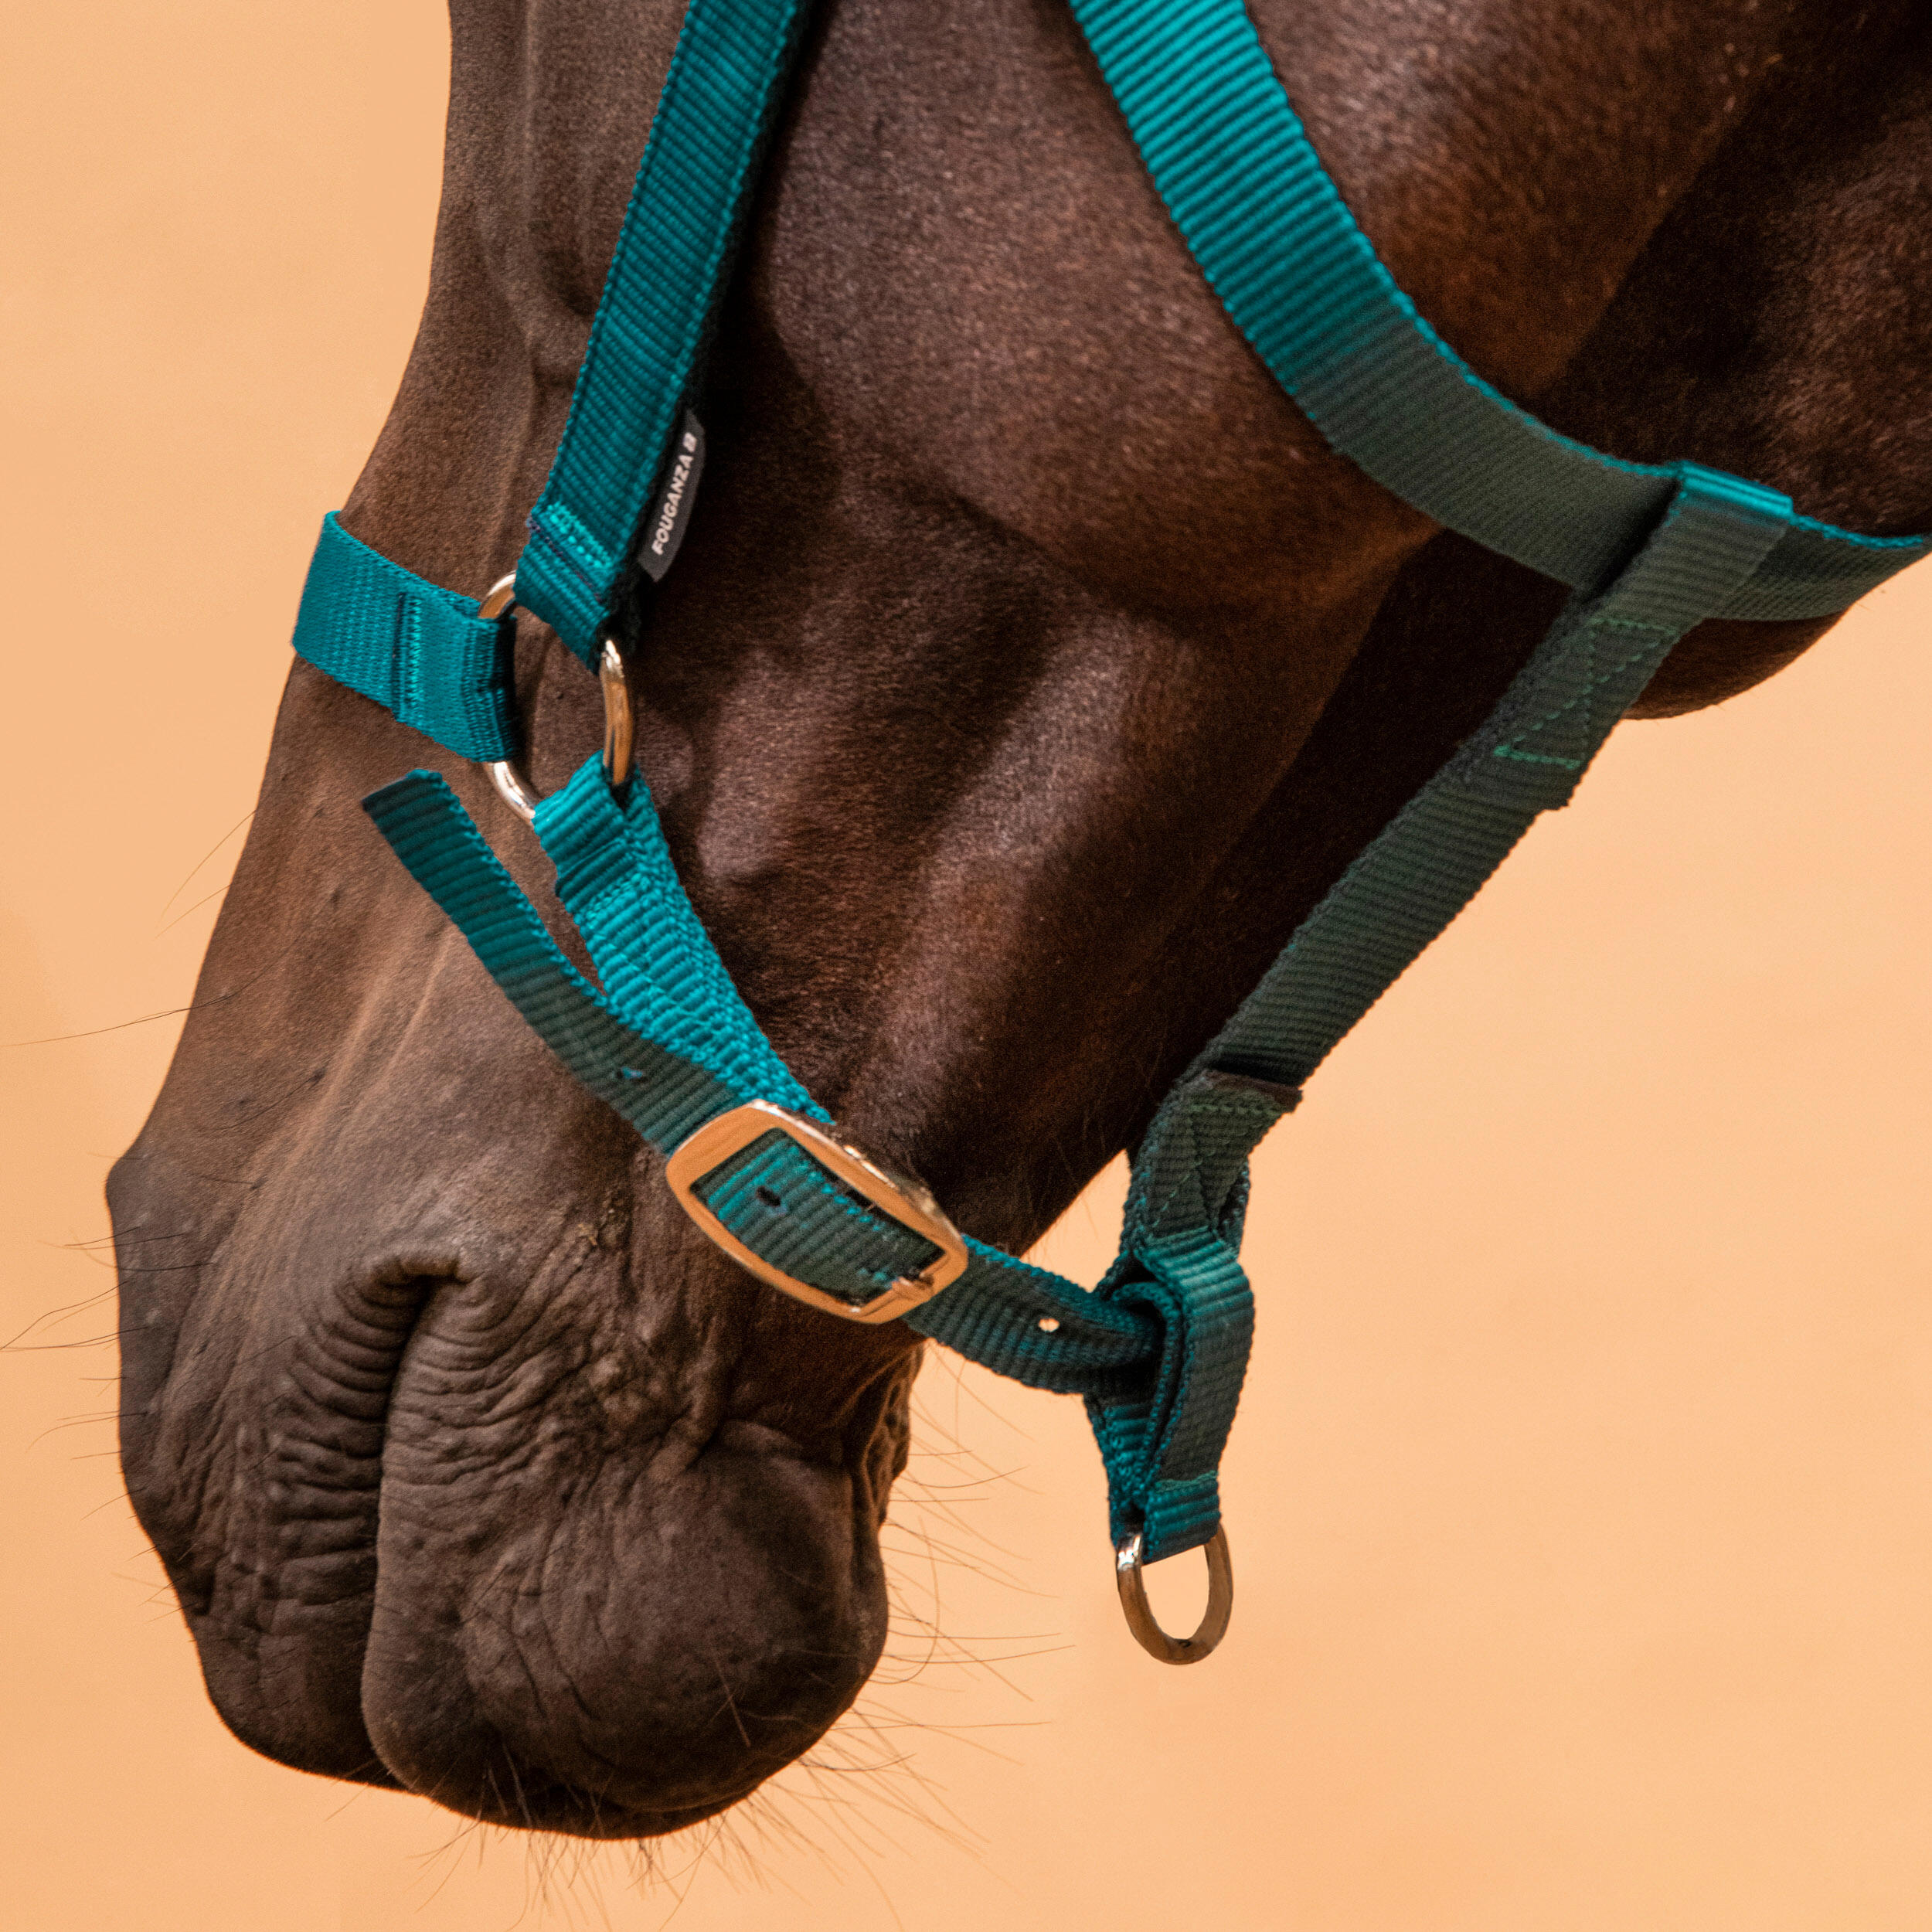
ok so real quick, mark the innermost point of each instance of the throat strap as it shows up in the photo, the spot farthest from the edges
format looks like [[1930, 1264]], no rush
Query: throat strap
[[1430, 860], [1183, 1231]]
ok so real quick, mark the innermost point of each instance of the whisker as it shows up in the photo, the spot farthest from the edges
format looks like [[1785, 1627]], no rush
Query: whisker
[[198, 863]]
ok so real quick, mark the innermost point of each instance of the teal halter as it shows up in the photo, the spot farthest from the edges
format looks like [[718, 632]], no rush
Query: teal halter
[[1160, 1348]]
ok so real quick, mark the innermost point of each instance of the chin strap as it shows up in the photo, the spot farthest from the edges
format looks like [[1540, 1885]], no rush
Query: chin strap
[[1159, 1349]]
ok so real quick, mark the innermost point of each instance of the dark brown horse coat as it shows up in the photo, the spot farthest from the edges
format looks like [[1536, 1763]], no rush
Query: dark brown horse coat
[[1030, 670]]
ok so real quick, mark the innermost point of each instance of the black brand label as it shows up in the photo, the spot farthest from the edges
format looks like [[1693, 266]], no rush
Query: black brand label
[[664, 528]]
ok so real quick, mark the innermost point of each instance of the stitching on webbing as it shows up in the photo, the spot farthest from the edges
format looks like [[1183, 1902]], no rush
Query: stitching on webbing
[[1191, 1173], [1508, 749], [395, 653]]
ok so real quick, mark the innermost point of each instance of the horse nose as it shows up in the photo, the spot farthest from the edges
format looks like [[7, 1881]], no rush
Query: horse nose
[[617, 1658]]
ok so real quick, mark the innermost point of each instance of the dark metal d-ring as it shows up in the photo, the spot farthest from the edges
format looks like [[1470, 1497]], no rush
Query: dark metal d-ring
[[513, 787], [1213, 1626]]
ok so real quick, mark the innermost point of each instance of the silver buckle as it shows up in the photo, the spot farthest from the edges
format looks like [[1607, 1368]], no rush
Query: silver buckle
[[900, 1196]]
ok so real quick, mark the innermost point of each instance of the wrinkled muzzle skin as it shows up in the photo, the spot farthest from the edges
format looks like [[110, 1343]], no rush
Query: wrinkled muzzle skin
[[1029, 670], [474, 1468]]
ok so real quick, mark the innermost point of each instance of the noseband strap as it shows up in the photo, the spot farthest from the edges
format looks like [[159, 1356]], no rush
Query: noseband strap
[[1159, 1349]]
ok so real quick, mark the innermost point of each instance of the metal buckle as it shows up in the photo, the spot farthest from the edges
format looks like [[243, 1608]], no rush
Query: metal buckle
[[1141, 1620], [512, 788], [899, 1196]]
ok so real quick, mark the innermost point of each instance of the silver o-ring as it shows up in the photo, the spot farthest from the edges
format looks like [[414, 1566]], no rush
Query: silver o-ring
[[1128, 1568], [513, 787]]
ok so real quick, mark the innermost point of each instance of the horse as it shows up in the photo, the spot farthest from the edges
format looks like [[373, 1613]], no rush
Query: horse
[[1032, 668]]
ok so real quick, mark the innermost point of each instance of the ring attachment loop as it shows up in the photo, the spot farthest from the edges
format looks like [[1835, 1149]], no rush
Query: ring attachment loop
[[1129, 1566], [620, 734]]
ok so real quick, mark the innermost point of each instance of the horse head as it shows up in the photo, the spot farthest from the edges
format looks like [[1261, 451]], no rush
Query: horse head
[[1031, 667]]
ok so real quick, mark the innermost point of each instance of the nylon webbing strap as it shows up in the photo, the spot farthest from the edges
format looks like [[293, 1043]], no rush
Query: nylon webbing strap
[[420, 652], [684, 217], [659, 968], [1180, 1245], [663, 1095], [1429, 862], [1179, 1259], [1303, 283], [661, 973], [1161, 1348]]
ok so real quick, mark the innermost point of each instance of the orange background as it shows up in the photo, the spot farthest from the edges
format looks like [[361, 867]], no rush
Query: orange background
[[1582, 1503]]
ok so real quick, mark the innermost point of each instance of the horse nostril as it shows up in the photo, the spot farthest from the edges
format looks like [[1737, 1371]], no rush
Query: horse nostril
[[771, 1199]]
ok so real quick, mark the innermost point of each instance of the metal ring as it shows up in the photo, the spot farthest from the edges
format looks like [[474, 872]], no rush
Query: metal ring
[[499, 599], [1213, 1626], [620, 740]]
